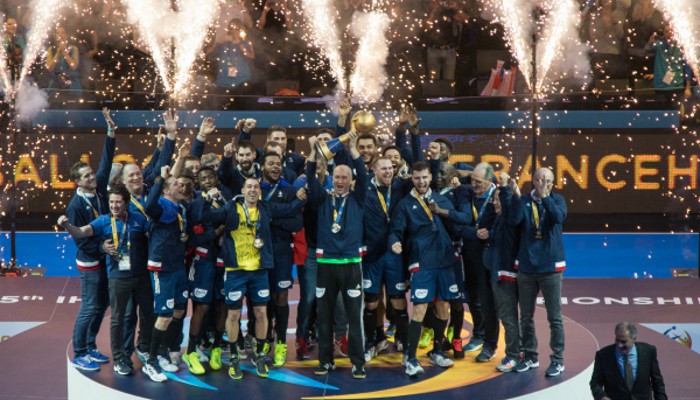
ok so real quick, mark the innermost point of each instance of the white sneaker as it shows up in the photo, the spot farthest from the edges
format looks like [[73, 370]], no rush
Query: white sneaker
[[174, 357], [154, 372], [381, 347], [369, 354], [166, 365], [439, 358], [201, 355], [413, 367]]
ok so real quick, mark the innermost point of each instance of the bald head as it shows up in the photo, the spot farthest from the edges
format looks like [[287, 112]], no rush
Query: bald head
[[342, 177], [544, 181]]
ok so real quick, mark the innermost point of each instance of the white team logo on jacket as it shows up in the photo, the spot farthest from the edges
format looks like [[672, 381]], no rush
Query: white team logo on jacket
[[170, 303], [284, 284], [235, 296], [320, 292], [199, 293], [354, 293], [454, 289], [401, 286], [366, 283], [263, 293], [421, 293]]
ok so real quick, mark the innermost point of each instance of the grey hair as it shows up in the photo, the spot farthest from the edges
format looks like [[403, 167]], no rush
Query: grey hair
[[627, 327], [488, 170]]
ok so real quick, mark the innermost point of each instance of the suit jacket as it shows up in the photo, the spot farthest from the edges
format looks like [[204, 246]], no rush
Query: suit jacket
[[607, 380]]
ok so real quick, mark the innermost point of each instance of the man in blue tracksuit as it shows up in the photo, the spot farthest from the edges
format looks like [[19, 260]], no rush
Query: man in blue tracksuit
[[339, 254], [540, 264], [499, 259], [166, 255], [380, 265], [418, 228], [276, 189], [87, 204], [128, 277], [247, 252]]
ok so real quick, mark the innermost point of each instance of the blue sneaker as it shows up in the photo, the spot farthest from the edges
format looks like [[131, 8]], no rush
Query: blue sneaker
[[97, 357], [85, 363]]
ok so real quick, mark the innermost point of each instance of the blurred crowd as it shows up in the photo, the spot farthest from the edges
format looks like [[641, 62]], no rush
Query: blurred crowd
[[262, 47]]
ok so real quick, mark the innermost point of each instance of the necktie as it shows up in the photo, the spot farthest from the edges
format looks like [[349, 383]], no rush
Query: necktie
[[629, 376]]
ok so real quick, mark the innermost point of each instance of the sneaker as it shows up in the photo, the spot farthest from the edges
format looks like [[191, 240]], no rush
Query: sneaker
[[324, 369], [390, 331], [381, 347], [369, 353], [201, 355], [457, 348], [234, 371], [215, 359], [342, 344], [302, 347], [450, 333], [250, 342], [142, 355], [85, 363], [174, 357], [413, 367], [475, 344], [266, 348], [280, 355], [97, 357], [526, 364], [554, 369], [193, 364], [399, 345], [404, 359], [260, 366], [426, 338], [166, 365], [506, 365], [358, 372], [153, 371], [122, 368], [487, 354], [439, 358], [242, 353]]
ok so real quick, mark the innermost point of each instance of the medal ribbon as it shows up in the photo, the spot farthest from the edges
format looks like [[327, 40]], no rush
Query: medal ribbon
[[255, 228], [536, 216], [182, 219], [99, 204], [338, 214], [477, 216], [138, 205], [386, 204], [422, 204], [272, 191], [124, 237]]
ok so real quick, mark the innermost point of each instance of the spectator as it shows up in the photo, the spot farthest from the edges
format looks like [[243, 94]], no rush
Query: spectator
[[442, 33], [228, 10], [671, 72], [642, 21], [62, 61], [233, 55], [605, 33], [274, 24]]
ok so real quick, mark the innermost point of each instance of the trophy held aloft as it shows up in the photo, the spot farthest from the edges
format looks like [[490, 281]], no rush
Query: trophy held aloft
[[362, 122]]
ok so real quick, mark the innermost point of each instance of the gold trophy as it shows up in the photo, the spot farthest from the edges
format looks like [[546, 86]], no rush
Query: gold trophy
[[362, 122]]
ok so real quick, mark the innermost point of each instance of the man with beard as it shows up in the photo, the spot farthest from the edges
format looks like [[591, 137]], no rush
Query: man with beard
[[380, 265], [277, 190], [205, 279], [418, 225], [88, 203], [247, 253], [128, 276], [275, 133], [166, 262], [287, 173]]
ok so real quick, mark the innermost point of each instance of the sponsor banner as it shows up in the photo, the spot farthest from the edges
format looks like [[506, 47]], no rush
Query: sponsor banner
[[650, 171]]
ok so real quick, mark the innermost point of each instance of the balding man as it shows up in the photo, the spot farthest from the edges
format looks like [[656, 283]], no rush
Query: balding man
[[627, 369], [339, 254], [540, 263]]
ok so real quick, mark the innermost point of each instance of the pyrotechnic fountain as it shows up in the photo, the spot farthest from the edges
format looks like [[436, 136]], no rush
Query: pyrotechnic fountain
[[683, 19]]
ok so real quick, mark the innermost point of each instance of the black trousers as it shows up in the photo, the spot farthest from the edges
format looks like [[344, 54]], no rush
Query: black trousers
[[121, 292], [473, 279], [345, 279]]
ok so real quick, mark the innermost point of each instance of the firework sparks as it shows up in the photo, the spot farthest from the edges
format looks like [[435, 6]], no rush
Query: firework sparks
[[516, 17], [325, 36], [683, 17], [369, 77]]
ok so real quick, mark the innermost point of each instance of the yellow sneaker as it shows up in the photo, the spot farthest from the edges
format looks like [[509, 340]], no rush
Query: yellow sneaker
[[280, 355], [426, 338], [193, 364], [215, 359], [450, 333]]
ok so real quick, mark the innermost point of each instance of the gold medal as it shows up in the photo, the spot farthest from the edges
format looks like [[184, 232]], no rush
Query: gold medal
[[538, 235], [258, 243], [183, 237], [335, 228]]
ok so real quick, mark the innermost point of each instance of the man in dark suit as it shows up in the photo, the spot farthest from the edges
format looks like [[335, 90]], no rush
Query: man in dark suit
[[627, 370]]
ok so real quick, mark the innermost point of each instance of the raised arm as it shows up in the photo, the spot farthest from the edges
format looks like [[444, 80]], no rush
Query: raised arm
[[205, 129], [75, 231], [102, 175]]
